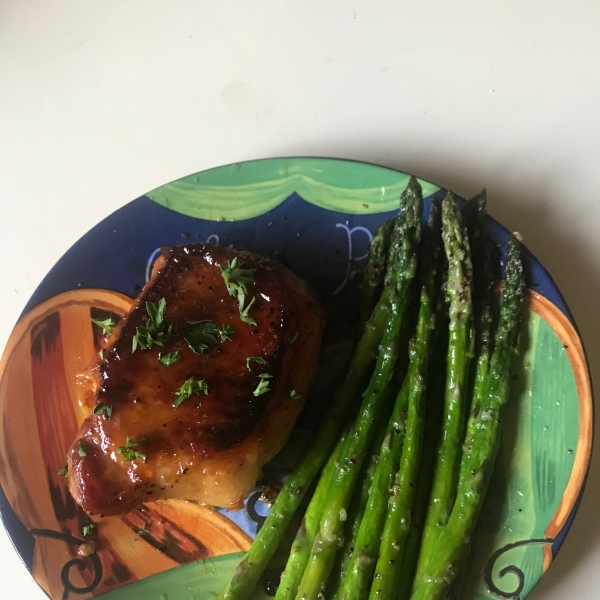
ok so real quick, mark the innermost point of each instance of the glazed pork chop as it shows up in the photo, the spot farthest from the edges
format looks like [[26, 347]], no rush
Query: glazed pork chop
[[200, 383]]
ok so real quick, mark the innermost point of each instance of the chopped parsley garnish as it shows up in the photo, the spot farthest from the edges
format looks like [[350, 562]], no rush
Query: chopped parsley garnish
[[144, 531], [64, 471], [166, 360], [128, 451], [295, 395], [244, 316], [156, 330], [201, 336], [87, 529], [259, 360], [263, 386], [103, 409], [82, 451], [101, 353], [236, 279], [225, 332], [191, 386], [293, 337], [107, 325]]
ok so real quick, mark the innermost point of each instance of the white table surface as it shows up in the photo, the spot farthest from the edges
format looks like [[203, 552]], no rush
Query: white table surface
[[103, 101]]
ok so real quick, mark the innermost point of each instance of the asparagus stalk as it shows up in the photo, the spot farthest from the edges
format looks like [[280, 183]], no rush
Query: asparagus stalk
[[433, 421], [457, 373], [413, 539], [433, 428], [374, 272], [358, 573], [358, 506], [303, 541], [401, 500], [485, 335], [401, 271], [474, 212], [479, 458], [252, 566], [484, 255]]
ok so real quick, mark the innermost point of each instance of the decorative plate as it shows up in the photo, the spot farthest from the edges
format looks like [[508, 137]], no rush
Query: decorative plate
[[318, 216]]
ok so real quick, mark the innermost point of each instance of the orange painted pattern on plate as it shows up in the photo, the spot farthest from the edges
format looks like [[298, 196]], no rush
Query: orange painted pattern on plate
[[41, 404], [574, 349]]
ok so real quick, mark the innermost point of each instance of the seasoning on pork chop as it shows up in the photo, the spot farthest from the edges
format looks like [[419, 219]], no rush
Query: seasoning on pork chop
[[199, 385]]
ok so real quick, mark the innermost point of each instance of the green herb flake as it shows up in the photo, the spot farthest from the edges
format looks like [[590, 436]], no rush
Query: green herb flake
[[201, 336], [144, 531], [107, 325], [295, 395], [263, 386], [236, 280], [192, 386], [88, 529], [225, 332], [103, 409], [293, 337], [259, 360], [245, 317], [101, 353], [83, 449], [128, 451], [236, 277], [166, 360], [156, 331], [64, 471]]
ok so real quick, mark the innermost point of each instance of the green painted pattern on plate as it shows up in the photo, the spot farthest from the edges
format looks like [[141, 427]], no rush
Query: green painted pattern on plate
[[202, 580], [246, 190], [541, 430]]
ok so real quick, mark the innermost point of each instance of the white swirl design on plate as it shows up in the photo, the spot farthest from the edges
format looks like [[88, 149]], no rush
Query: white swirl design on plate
[[349, 233]]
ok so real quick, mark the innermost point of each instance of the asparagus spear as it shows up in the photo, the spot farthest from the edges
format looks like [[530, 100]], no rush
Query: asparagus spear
[[485, 260], [400, 506], [457, 372], [374, 272], [423, 489], [401, 271], [251, 567], [485, 334], [474, 212], [359, 570], [303, 541], [479, 458], [433, 427], [358, 506]]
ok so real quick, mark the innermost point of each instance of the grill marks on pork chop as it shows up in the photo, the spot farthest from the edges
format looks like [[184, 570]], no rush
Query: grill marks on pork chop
[[211, 446]]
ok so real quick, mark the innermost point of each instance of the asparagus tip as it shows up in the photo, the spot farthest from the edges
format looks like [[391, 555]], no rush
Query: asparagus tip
[[413, 185]]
